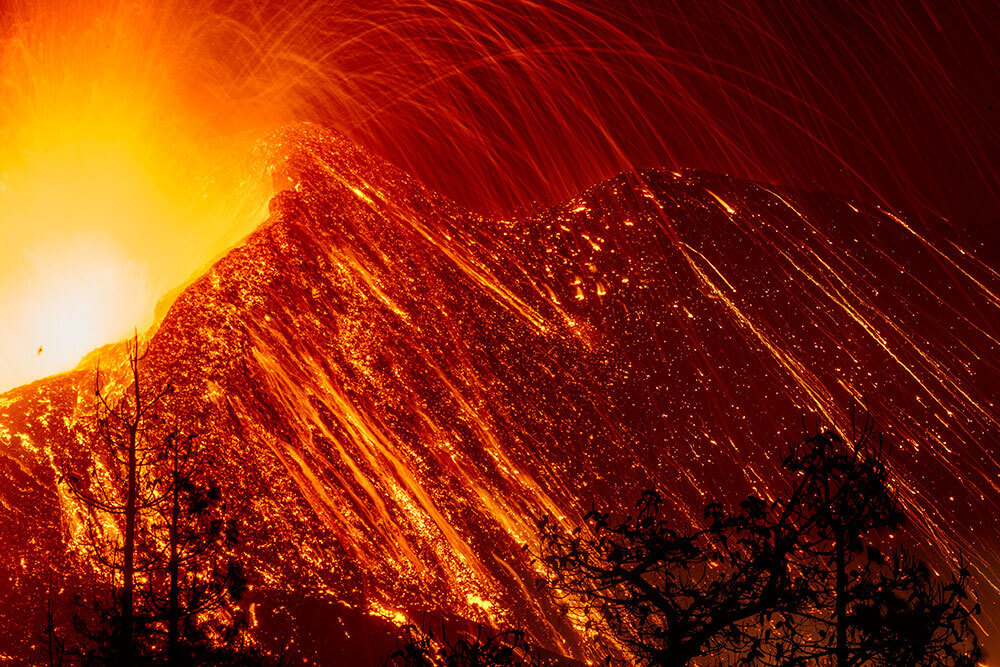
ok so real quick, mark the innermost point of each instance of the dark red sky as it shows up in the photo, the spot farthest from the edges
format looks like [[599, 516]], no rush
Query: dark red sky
[[500, 106]]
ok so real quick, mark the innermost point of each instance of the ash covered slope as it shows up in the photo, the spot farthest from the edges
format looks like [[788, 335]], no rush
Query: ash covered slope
[[396, 387]]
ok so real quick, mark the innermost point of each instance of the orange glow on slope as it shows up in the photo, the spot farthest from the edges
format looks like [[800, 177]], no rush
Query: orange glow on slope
[[111, 191]]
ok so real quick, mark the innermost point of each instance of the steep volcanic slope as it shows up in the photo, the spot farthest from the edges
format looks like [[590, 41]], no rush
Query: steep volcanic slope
[[396, 387]]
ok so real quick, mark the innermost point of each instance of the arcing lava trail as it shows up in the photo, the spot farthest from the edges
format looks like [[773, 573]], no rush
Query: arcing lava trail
[[396, 387]]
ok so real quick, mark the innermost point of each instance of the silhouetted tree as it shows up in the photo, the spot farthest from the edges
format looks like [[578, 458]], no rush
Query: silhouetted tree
[[800, 580], [198, 577], [507, 648], [665, 596], [898, 614], [870, 607], [122, 487], [169, 572], [54, 645]]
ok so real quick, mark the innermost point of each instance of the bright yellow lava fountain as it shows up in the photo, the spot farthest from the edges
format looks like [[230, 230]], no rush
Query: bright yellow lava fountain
[[113, 184]]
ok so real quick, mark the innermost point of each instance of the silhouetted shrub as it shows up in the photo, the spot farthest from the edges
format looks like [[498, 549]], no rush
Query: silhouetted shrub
[[420, 648], [809, 578]]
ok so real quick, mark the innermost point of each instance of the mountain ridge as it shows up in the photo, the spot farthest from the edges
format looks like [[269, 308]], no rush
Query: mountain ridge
[[397, 387]]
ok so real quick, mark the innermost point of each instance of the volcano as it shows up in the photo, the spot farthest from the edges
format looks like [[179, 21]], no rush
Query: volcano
[[397, 388]]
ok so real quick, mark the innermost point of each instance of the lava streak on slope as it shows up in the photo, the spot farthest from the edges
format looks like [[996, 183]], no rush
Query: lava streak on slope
[[396, 387]]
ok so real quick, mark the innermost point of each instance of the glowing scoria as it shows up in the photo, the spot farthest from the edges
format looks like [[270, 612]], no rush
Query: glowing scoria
[[396, 387]]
